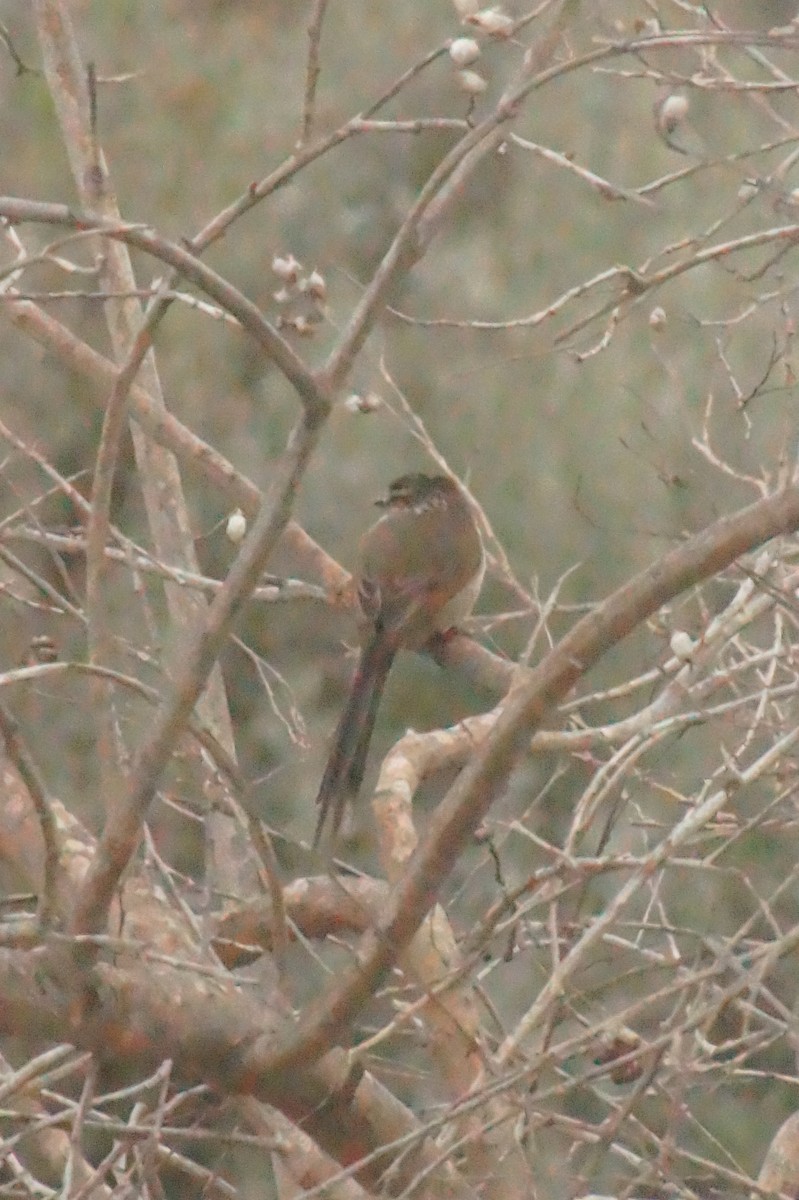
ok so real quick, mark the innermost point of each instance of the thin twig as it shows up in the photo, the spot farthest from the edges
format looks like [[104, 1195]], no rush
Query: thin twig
[[29, 773], [312, 69]]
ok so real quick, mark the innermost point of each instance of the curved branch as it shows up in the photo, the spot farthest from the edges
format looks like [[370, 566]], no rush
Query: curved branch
[[470, 798], [313, 396], [217, 1035]]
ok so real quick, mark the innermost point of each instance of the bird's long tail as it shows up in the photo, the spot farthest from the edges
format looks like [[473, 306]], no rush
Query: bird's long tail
[[347, 762]]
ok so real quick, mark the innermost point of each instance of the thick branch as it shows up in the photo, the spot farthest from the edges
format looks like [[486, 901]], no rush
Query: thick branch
[[485, 779], [213, 1034], [122, 831]]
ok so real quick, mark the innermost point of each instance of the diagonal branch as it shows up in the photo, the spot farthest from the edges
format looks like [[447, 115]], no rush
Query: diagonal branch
[[249, 316], [471, 797], [217, 1035], [164, 428], [121, 834]]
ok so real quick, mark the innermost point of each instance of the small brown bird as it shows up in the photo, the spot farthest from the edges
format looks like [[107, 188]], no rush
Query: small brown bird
[[420, 571]]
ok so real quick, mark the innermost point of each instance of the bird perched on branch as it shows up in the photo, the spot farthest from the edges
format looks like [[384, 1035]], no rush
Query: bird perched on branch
[[420, 570]]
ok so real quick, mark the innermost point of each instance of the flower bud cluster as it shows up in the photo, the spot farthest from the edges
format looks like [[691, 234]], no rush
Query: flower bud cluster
[[301, 296], [465, 51]]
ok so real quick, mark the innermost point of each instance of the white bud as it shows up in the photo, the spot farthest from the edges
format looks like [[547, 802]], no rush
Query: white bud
[[236, 526], [657, 318], [747, 190], [315, 285], [465, 8], [671, 111], [357, 403], [286, 269], [682, 645], [302, 325], [492, 22], [471, 83], [464, 51]]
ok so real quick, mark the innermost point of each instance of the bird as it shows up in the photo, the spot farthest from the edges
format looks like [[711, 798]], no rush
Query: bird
[[419, 573]]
